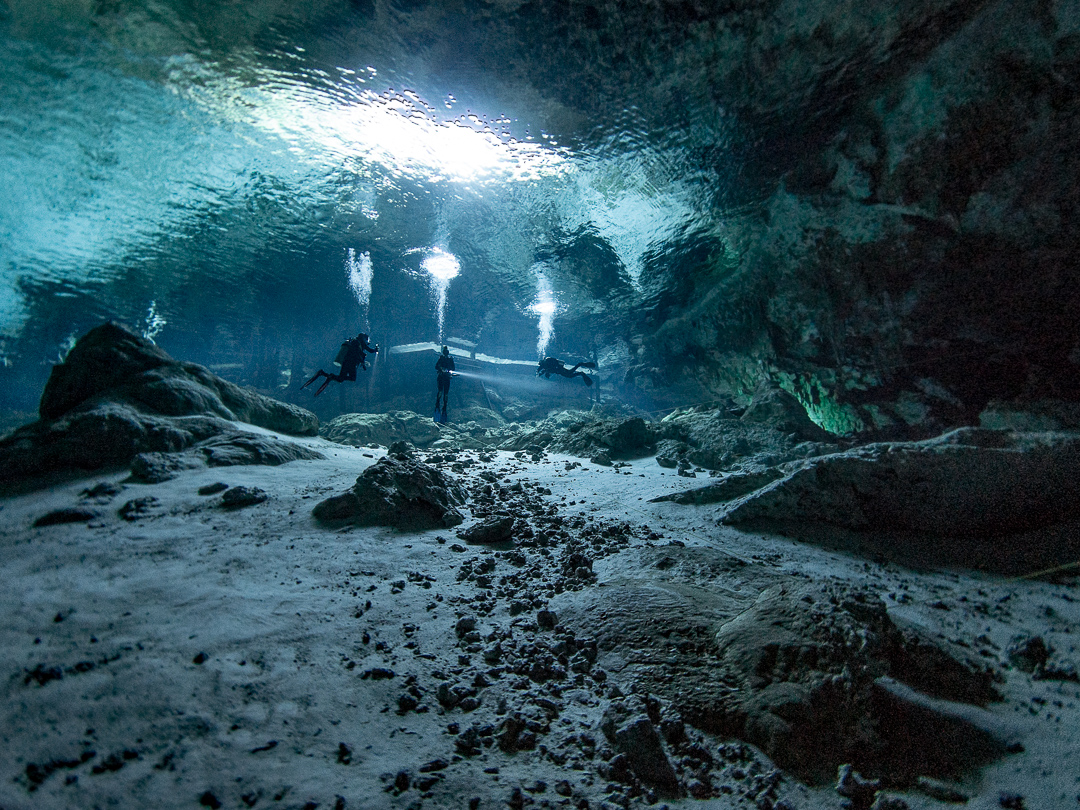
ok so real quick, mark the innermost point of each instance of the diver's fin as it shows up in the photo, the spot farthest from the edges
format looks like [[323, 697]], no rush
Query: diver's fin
[[587, 379], [587, 364]]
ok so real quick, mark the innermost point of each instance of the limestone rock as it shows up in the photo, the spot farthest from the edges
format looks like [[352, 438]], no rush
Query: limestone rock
[[239, 497], [493, 530], [402, 493], [108, 435], [712, 438], [816, 675], [636, 737], [229, 449], [727, 489], [778, 409], [809, 665], [104, 358], [971, 484], [586, 435], [117, 395], [69, 514], [370, 429], [112, 364]]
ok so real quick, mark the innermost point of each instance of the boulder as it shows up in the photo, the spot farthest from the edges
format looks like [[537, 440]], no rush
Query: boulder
[[103, 358], [399, 492], [117, 396], [493, 530]]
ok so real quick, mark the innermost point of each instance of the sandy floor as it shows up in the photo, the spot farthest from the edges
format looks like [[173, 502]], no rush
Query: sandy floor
[[196, 656]]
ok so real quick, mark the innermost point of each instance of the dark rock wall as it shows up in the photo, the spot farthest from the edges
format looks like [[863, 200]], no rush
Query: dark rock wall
[[918, 257]]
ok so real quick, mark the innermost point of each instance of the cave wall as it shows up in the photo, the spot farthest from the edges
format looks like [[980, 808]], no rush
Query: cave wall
[[917, 257]]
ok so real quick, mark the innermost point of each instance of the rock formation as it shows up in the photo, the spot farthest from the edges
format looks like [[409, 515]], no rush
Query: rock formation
[[117, 396], [999, 500], [398, 492], [814, 675]]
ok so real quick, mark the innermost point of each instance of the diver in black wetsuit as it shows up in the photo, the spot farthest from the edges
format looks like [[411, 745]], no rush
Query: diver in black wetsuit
[[444, 368], [353, 353], [552, 365]]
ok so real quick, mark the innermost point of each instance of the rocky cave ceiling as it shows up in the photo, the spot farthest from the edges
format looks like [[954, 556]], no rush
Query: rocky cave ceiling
[[872, 204]]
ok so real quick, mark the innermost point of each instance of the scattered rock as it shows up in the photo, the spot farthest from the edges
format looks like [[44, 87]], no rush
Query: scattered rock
[[546, 620], [70, 514], [239, 497], [401, 449], [637, 738], [851, 785], [213, 489], [942, 791], [138, 508], [494, 529], [1028, 653], [102, 491]]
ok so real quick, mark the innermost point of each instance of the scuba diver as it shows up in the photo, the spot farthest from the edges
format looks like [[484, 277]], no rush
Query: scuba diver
[[552, 365], [353, 353], [444, 368]]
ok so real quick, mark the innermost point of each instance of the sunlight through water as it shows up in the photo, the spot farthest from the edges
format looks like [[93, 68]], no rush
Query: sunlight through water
[[442, 267]]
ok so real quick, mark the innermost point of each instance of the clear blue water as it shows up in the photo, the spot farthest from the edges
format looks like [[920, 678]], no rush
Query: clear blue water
[[201, 172]]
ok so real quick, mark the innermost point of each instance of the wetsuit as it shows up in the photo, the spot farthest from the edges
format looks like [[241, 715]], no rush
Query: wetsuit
[[552, 365], [355, 351], [443, 366]]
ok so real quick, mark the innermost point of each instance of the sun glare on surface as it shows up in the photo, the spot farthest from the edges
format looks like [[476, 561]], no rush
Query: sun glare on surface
[[398, 131], [441, 265]]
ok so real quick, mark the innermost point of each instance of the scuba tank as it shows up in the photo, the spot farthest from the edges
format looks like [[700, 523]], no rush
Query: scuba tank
[[340, 358]]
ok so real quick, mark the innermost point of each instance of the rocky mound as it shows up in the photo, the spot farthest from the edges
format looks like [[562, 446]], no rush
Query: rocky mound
[[117, 396], [773, 430], [584, 434], [399, 492], [814, 675], [763, 436], [374, 429]]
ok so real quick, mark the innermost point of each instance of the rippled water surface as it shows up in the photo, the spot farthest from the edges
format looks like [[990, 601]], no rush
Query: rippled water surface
[[210, 174]]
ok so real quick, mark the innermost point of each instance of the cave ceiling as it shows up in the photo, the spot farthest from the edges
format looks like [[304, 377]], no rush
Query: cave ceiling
[[725, 185]]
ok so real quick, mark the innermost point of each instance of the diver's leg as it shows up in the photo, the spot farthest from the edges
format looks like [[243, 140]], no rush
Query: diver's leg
[[318, 373]]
